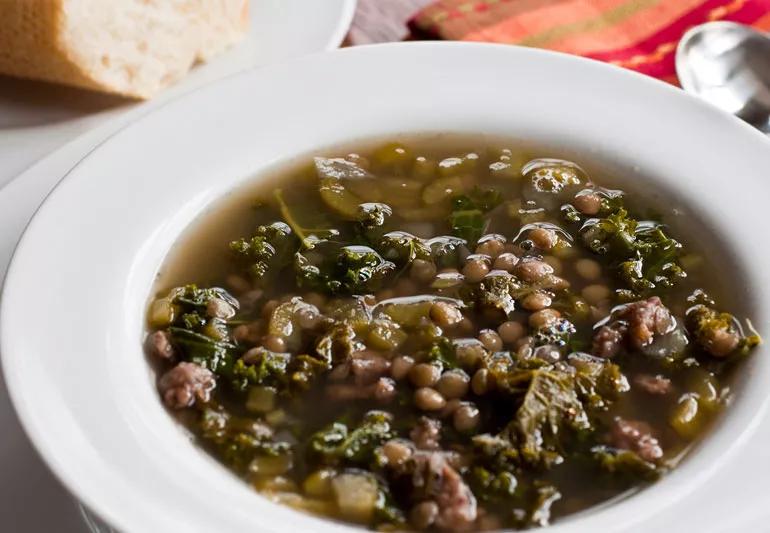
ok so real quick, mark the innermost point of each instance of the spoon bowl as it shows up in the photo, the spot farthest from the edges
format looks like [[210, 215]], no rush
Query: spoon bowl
[[728, 65]]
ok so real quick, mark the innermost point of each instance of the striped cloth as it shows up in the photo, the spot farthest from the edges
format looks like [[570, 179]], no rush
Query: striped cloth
[[637, 34]]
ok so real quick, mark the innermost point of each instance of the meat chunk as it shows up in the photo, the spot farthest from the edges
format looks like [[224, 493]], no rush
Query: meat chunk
[[186, 384], [653, 384], [160, 345], [382, 390], [434, 479], [368, 368], [365, 366], [636, 436], [634, 325], [426, 434], [646, 318], [608, 340]]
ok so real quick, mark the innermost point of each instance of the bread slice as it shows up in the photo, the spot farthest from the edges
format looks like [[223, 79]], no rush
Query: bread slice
[[130, 47]]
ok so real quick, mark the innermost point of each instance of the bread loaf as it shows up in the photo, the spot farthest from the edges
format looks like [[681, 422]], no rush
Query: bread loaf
[[130, 47]]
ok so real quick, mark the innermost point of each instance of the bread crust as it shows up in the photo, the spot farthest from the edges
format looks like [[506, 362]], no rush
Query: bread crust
[[130, 47]]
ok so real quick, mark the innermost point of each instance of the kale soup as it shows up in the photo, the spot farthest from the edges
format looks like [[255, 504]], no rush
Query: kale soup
[[442, 336]]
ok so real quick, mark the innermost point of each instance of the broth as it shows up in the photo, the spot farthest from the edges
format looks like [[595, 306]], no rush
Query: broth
[[442, 335]]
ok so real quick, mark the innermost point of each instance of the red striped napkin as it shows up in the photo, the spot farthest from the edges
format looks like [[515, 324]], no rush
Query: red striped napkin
[[637, 34]]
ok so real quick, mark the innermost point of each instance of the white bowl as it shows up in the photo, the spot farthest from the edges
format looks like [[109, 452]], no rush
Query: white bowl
[[73, 304]]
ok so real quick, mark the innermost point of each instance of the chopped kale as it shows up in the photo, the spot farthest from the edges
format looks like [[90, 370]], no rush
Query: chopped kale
[[268, 250], [351, 270], [499, 292], [550, 407], [468, 220], [217, 356], [337, 443], [645, 257], [719, 333], [624, 462]]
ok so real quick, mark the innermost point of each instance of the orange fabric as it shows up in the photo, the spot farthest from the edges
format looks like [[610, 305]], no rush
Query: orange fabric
[[638, 34]]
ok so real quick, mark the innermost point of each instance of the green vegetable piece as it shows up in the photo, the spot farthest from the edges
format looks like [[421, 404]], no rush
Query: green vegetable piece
[[491, 487], [442, 190], [624, 462], [337, 443], [269, 250], [217, 356], [333, 175], [284, 321], [238, 441], [402, 248], [645, 257], [385, 335], [264, 368], [350, 270], [550, 406], [718, 333], [336, 345], [261, 399], [393, 157], [597, 381], [687, 419], [373, 215], [499, 292], [162, 313], [337, 198]]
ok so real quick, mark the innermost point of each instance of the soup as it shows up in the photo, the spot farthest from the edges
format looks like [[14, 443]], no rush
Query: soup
[[429, 338]]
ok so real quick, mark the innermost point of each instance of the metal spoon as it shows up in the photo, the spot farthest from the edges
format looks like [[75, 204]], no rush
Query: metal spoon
[[728, 65]]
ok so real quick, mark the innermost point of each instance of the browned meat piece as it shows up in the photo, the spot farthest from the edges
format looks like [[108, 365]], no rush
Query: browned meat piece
[[653, 384], [646, 318], [365, 366], [383, 390], [608, 340], [186, 384], [426, 434], [368, 368], [636, 436], [434, 479], [635, 325], [160, 345]]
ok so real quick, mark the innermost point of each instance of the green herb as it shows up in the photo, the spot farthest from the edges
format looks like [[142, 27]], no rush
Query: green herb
[[352, 270], [468, 219], [624, 462], [337, 443], [268, 251], [707, 325], [645, 257]]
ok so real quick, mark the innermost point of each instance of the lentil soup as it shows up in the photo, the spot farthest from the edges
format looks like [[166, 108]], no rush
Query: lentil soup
[[421, 336]]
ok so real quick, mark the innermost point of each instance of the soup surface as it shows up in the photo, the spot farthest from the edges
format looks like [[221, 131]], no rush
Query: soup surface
[[430, 338]]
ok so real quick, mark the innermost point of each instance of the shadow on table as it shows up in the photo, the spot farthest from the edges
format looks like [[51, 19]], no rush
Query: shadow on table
[[27, 103]]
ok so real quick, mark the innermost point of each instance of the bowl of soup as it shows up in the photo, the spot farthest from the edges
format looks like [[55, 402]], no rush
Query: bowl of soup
[[398, 288]]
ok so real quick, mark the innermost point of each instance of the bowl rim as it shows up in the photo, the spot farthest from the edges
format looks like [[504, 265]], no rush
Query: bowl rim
[[8, 338]]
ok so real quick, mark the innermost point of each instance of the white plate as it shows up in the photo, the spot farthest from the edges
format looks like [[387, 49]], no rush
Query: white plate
[[36, 118], [89, 256]]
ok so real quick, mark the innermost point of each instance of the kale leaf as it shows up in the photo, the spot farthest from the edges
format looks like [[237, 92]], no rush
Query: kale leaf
[[349, 270], [645, 256], [239, 441], [337, 443], [468, 219], [624, 462], [268, 250], [217, 356], [550, 406], [719, 333]]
